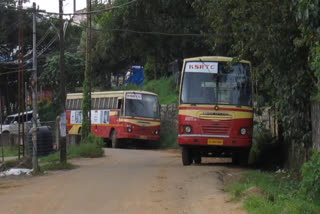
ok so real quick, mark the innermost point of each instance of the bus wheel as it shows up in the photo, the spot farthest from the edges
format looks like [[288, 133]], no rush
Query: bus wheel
[[197, 159], [114, 139], [186, 156]]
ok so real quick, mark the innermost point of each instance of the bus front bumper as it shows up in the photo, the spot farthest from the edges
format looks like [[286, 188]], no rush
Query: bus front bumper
[[206, 140]]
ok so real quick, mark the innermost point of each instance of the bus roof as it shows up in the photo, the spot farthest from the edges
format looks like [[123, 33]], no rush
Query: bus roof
[[107, 94], [213, 58]]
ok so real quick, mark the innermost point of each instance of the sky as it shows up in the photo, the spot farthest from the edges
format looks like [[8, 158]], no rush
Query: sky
[[53, 5]]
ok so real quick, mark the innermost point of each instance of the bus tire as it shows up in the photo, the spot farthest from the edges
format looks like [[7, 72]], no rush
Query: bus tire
[[114, 139], [197, 159], [186, 156]]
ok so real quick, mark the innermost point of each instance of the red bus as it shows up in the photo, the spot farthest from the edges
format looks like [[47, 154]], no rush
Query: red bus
[[215, 111], [118, 116]]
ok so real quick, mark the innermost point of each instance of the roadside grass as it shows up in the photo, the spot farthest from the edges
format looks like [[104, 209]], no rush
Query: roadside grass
[[9, 151], [273, 194], [85, 150], [169, 138], [57, 166]]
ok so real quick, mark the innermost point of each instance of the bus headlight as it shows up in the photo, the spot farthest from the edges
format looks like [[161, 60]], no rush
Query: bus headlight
[[129, 129], [243, 131], [157, 132], [187, 129]]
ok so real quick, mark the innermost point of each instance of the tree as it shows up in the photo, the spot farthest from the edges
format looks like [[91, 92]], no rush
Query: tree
[[74, 68]]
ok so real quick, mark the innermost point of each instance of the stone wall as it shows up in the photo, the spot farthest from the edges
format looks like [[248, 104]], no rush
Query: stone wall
[[169, 116], [315, 115]]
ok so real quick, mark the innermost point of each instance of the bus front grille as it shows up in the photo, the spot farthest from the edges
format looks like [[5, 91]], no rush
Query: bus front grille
[[218, 128]]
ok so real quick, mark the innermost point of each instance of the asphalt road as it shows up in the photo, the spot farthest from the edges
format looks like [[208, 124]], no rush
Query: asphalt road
[[125, 181]]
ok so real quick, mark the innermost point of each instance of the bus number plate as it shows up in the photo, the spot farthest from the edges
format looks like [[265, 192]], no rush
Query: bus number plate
[[143, 137], [215, 142]]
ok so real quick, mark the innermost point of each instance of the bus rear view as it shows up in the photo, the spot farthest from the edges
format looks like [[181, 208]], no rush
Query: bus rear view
[[215, 111]]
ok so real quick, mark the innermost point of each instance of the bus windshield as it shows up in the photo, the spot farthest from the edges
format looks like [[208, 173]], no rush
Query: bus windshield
[[216, 83], [142, 105]]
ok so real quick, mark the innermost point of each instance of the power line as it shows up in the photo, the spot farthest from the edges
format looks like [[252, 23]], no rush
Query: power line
[[91, 12], [73, 14], [16, 71], [144, 32]]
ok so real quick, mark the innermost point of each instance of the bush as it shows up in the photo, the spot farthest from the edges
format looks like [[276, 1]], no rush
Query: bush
[[310, 184], [265, 151], [91, 147], [168, 138], [90, 150]]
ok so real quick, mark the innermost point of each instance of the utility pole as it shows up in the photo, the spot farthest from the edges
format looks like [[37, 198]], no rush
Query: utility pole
[[86, 104], [63, 149], [74, 6], [20, 84], [34, 96]]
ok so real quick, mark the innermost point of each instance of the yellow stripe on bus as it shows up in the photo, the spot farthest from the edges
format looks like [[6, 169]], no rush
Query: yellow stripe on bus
[[74, 129], [141, 122], [229, 114], [220, 106]]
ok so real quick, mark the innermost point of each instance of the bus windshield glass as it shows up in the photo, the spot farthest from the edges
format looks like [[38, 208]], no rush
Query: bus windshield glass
[[217, 83], [142, 105]]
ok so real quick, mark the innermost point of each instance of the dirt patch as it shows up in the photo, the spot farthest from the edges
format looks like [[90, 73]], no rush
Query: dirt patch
[[228, 177], [254, 191]]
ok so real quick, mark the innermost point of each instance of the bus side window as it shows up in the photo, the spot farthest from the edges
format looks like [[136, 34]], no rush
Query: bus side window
[[120, 106]]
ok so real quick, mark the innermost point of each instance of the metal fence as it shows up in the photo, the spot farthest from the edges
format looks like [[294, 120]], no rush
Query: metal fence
[[46, 136]]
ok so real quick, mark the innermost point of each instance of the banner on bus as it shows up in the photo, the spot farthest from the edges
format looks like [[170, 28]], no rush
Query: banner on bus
[[202, 67], [97, 117]]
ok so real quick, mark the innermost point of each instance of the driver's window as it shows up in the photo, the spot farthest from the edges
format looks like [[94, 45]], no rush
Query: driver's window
[[120, 106]]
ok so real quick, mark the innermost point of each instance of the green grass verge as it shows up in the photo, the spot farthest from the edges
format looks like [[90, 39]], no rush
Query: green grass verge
[[165, 88], [57, 166], [9, 151], [280, 194], [85, 150]]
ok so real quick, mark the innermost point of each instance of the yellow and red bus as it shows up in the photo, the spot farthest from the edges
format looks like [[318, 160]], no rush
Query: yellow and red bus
[[118, 116], [215, 111]]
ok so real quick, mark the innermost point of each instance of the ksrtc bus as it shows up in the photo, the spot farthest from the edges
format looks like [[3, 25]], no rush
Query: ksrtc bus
[[118, 116], [215, 111]]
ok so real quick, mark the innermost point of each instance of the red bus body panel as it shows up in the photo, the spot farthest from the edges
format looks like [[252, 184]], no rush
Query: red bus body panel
[[215, 126]]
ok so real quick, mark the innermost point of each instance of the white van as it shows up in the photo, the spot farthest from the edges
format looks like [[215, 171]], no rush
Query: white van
[[11, 123]]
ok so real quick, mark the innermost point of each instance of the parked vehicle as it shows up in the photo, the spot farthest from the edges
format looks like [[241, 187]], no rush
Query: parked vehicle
[[11, 123], [215, 111], [118, 116]]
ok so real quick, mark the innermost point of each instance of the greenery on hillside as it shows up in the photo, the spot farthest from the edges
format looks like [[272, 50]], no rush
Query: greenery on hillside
[[165, 87]]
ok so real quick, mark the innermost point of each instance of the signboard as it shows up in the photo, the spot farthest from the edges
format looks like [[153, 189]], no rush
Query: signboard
[[134, 96], [202, 67], [63, 125]]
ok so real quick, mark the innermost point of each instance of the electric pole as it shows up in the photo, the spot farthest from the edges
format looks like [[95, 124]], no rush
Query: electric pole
[[34, 96], [63, 149], [86, 104]]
